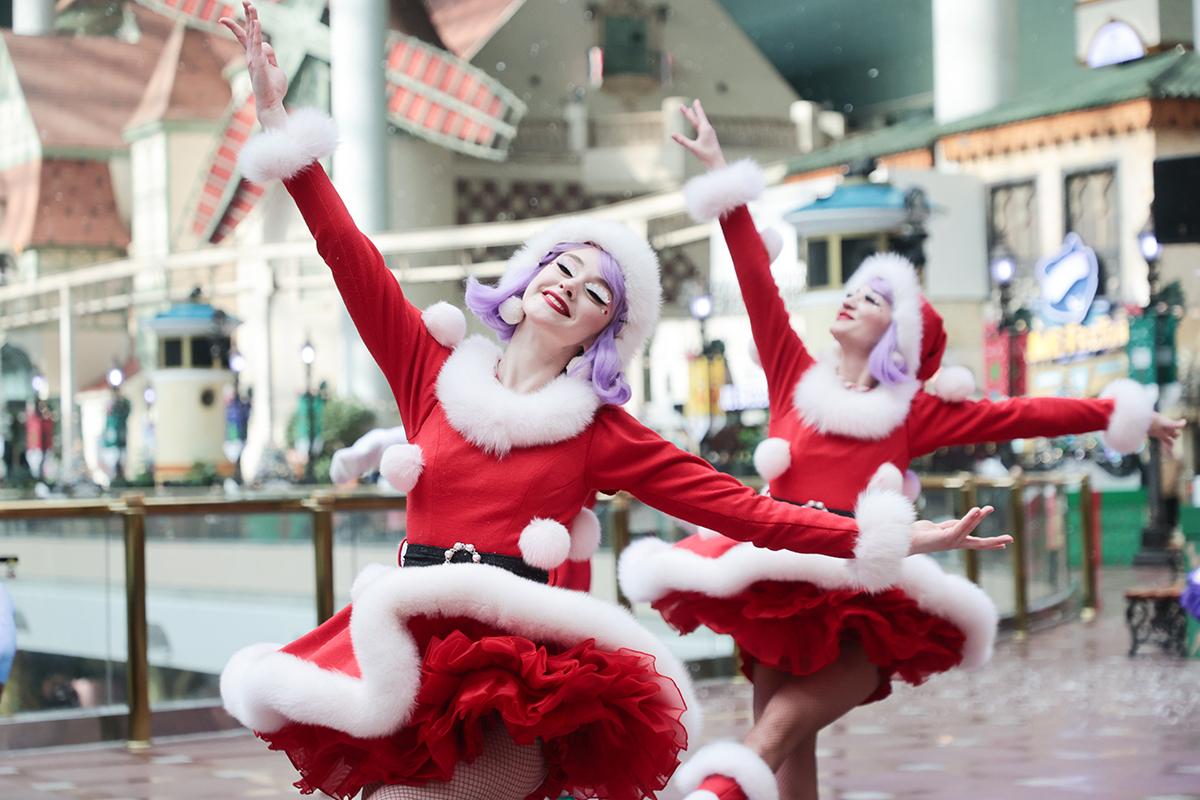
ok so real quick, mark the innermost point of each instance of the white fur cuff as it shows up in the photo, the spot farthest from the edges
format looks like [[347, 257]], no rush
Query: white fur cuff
[[885, 519], [736, 762], [1132, 410], [714, 194], [282, 153]]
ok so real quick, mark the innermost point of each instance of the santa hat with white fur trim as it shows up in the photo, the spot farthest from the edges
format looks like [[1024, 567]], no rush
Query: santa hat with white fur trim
[[638, 263]]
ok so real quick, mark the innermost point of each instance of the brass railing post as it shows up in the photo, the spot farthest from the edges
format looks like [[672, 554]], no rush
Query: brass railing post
[[970, 498], [619, 507], [321, 505], [1087, 531], [1020, 597], [137, 665]]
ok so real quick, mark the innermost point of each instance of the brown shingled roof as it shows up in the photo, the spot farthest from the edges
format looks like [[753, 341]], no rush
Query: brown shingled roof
[[466, 25], [77, 207]]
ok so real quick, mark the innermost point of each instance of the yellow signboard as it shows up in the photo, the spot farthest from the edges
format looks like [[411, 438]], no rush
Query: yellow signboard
[[705, 377], [1064, 341]]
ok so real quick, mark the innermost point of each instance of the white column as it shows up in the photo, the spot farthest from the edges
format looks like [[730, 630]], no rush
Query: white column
[[33, 17], [974, 56], [66, 380], [356, 34]]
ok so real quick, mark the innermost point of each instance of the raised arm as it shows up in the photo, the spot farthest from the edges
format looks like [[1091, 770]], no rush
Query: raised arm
[[626, 455], [397, 334], [722, 194], [1124, 414]]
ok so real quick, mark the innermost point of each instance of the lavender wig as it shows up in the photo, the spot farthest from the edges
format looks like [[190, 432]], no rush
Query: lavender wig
[[885, 362], [600, 360]]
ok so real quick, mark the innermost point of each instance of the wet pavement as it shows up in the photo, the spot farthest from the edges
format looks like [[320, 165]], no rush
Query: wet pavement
[[1063, 713]]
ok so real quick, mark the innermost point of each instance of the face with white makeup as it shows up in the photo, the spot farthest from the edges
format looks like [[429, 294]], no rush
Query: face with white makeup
[[569, 300]]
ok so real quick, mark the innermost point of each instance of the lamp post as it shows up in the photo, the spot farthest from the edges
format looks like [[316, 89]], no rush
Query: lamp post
[[1153, 551], [114, 429], [308, 355], [237, 414], [1003, 266]]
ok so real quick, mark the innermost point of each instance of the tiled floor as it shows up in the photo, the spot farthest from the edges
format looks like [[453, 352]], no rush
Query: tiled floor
[[1064, 713]]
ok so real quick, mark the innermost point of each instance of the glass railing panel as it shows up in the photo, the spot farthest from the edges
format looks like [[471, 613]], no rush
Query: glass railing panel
[[938, 504], [361, 538], [996, 566], [1048, 575], [69, 594], [216, 583]]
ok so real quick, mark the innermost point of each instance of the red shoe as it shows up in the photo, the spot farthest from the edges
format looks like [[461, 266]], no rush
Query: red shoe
[[727, 771]]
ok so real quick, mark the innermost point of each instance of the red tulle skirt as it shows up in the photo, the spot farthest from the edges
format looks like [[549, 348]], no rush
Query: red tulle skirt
[[798, 627], [604, 726]]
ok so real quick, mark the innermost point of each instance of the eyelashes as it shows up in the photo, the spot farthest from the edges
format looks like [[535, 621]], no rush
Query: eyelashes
[[597, 291]]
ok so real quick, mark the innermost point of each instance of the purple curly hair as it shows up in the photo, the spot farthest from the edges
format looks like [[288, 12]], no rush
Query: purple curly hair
[[882, 362], [600, 360]]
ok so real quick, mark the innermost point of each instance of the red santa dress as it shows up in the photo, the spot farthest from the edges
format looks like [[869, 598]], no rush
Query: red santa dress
[[828, 443], [402, 685]]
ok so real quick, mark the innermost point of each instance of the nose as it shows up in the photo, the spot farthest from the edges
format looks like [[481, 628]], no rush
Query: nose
[[567, 286]]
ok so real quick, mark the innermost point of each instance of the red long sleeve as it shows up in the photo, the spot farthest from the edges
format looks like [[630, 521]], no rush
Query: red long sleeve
[[624, 454], [390, 326], [933, 423]]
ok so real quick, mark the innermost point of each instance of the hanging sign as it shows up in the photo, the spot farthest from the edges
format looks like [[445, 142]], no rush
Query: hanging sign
[[1069, 279]]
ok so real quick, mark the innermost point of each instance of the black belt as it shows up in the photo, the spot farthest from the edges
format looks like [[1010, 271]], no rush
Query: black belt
[[818, 505], [426, 555]]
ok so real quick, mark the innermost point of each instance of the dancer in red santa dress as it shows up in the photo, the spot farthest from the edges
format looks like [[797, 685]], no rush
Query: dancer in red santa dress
[[471, 677], [814, 644]]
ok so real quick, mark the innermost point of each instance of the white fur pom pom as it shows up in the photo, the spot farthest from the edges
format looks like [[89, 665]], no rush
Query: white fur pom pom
[[585, 535], [954, 384], [772, 241], [401, 465], [888, 476], [772, 458], [1132, 410], [511, 310], [577, 369], [445, 323], [544, 543]]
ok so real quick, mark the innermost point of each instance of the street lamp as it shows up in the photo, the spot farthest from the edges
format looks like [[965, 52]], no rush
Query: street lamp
[[1154, 536], [308, 354], [237, 416], [701, 308], [1002, 263], [115, 424]]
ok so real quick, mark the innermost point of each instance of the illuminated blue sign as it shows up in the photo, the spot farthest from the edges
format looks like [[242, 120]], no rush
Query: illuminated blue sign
[[1069, 279]]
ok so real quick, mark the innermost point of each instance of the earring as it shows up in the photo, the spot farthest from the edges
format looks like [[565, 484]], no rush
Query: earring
[[511, 310]]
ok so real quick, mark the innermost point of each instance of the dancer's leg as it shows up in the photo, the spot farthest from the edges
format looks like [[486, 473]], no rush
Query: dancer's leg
[[785, 732]]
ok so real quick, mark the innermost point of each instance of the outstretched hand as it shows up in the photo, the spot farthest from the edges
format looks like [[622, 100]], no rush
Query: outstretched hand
[[1165, 429], [269, 81], [932, 537], [705, 146]]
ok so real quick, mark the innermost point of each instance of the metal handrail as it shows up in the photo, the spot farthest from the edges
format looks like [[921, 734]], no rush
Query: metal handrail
[[134, 508]]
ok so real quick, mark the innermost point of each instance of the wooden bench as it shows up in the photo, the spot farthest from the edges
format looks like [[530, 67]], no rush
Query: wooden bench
[[1155, 616]]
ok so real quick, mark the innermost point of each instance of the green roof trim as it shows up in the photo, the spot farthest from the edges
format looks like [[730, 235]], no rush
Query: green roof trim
[[1167, 75]]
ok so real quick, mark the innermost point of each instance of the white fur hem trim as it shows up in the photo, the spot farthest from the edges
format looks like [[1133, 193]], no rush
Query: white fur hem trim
[[714, 194], [496, 419], [826, 404], [772, 457], [1132, 411], [954, 384], [585, 535], [701, 794], [401, 466], [265, 689], [734, 761], [445, 323], [885, 519], [544, 543], [284, 152], [650, 569]]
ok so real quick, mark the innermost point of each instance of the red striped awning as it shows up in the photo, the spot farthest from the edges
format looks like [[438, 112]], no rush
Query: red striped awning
[[440, 97], [225, 198]]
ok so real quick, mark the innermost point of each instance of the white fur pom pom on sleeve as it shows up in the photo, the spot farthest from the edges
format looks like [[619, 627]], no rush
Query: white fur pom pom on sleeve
[[954, 384], [1132, 410], [885, 519], [284, 152], [445, 323], [714, 194]]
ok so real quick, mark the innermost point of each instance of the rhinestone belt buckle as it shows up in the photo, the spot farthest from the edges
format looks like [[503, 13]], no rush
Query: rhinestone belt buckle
[[817, 504], [460, 547]]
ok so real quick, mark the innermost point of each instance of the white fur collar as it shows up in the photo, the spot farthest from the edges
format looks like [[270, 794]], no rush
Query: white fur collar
[[825, 403], [497, 419]]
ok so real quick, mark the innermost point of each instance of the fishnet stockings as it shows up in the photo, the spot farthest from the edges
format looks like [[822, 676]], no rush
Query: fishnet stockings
[[503, 771], [789, 711]]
